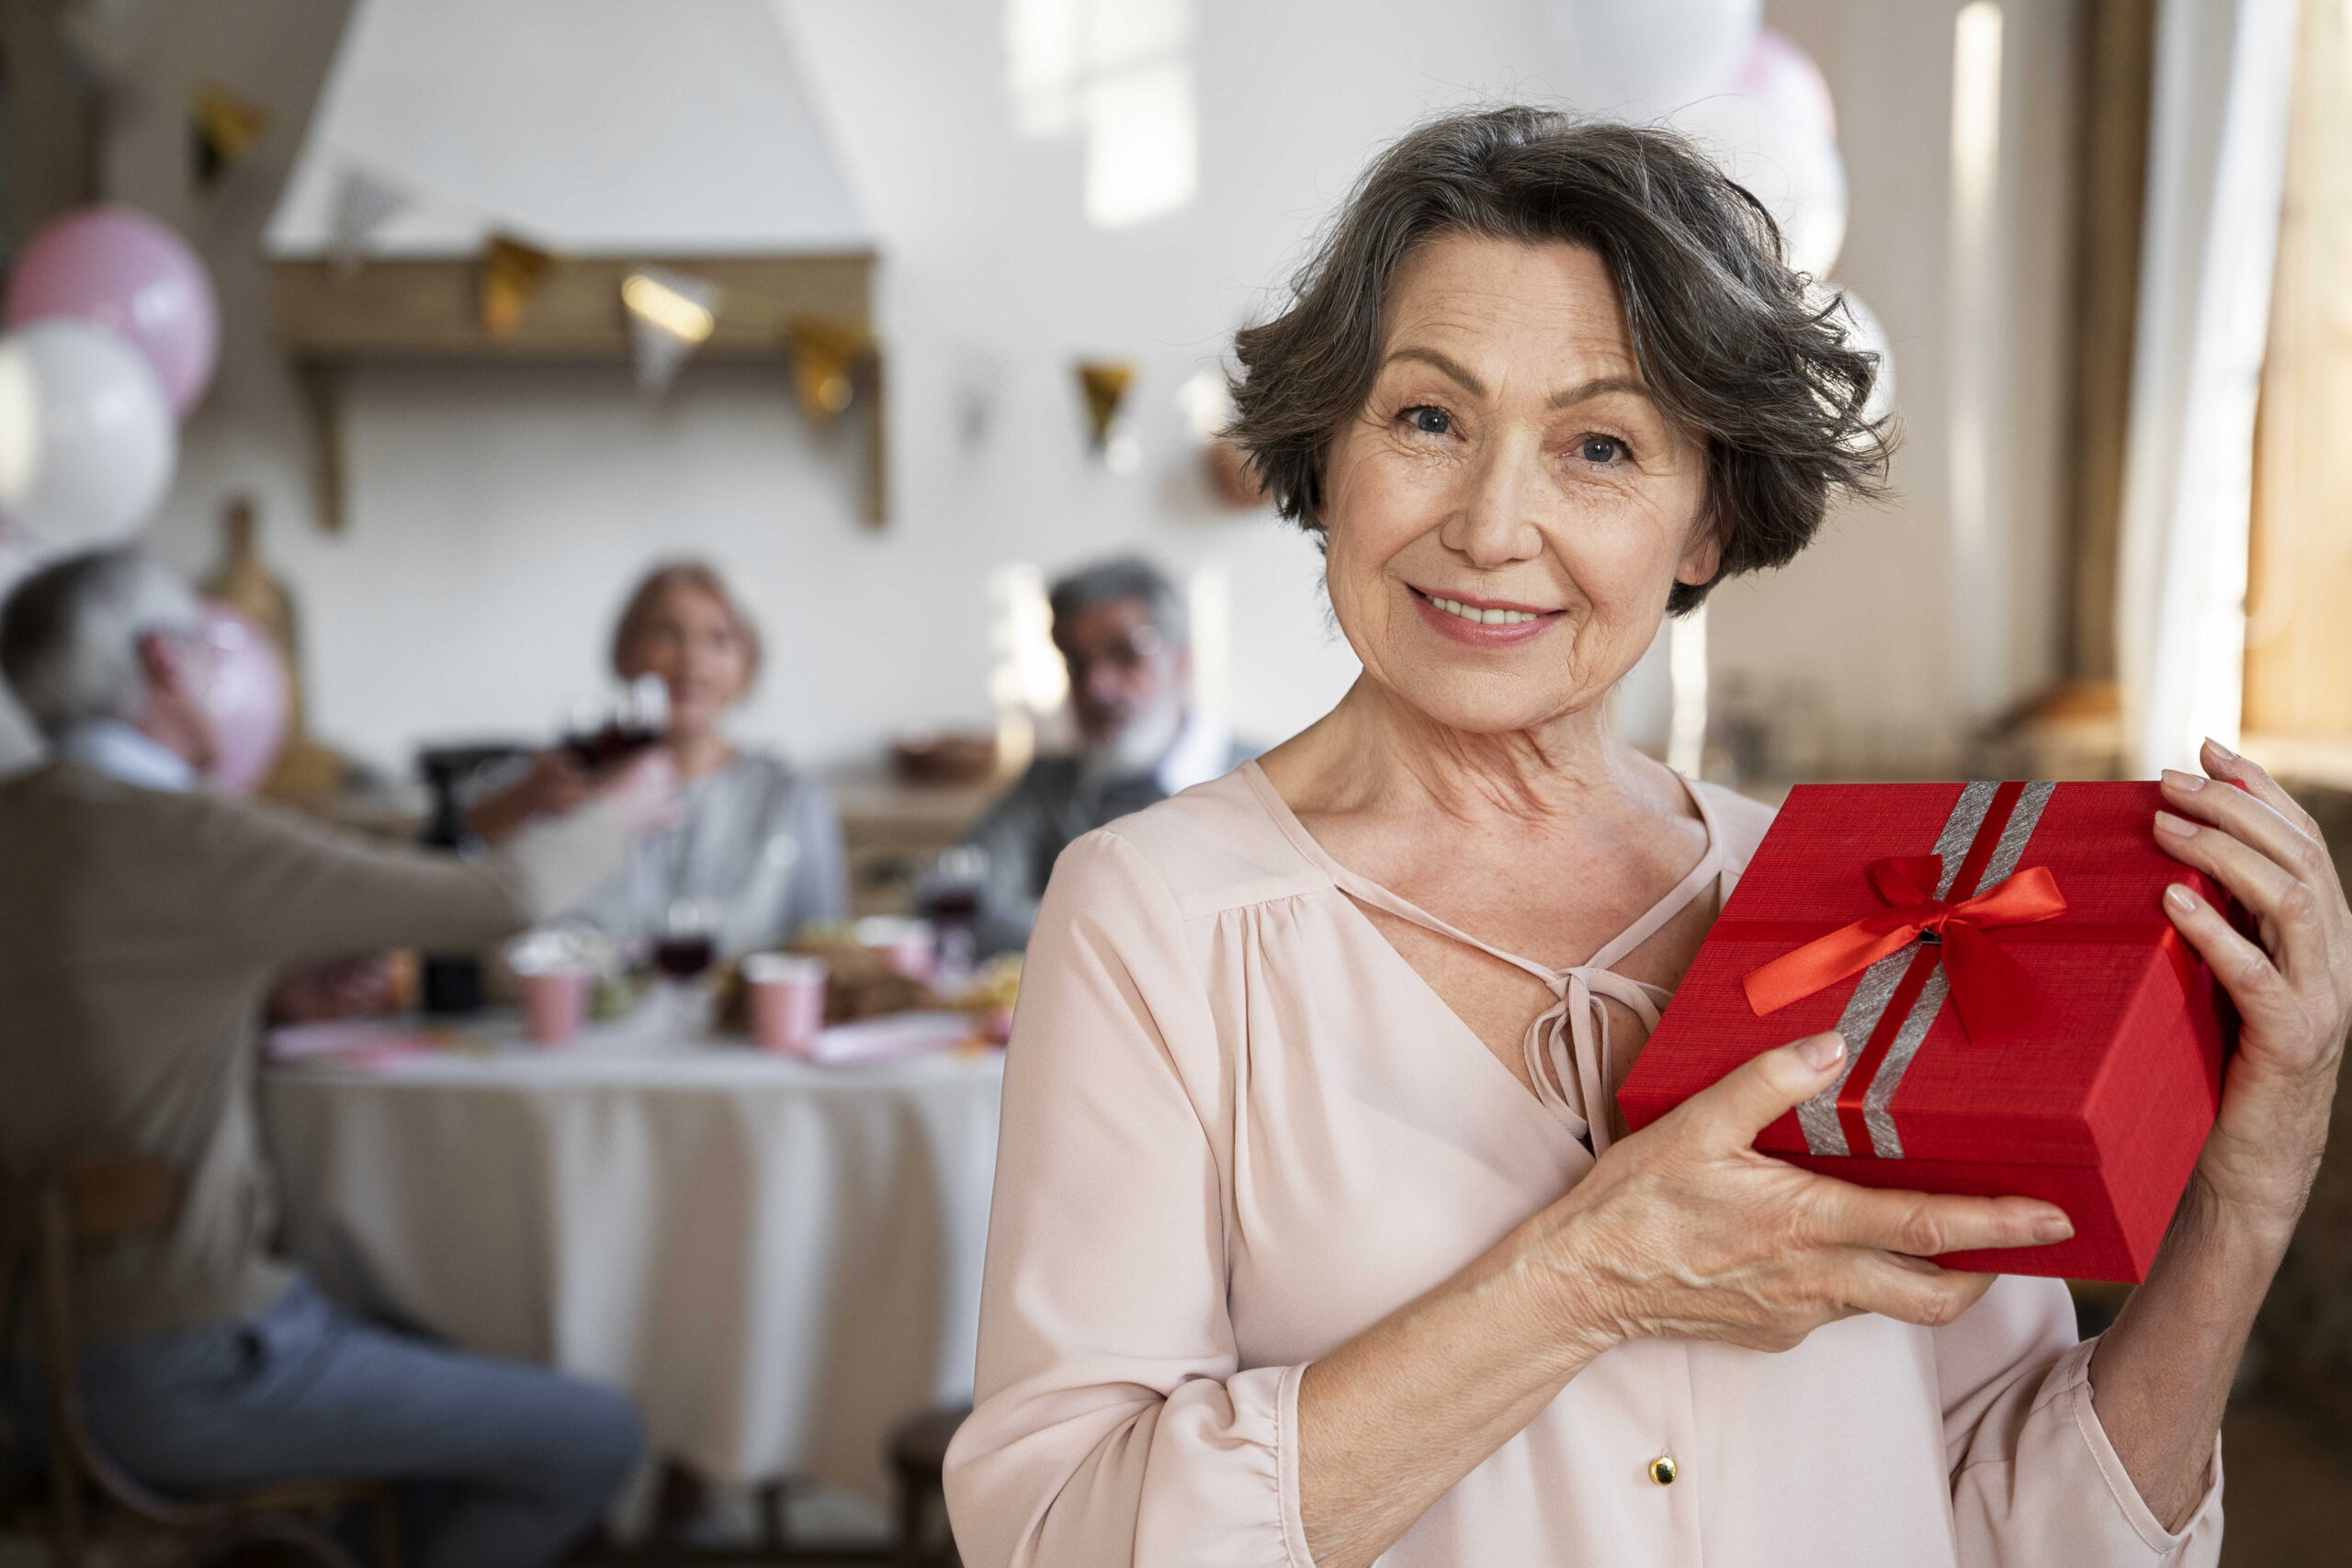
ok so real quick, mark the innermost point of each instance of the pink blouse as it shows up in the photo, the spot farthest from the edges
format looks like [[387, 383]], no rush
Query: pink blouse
[[1239, 1129]]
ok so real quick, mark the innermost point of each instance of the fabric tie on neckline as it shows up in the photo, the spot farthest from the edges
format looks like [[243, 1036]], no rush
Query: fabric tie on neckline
[[1566, 1048]]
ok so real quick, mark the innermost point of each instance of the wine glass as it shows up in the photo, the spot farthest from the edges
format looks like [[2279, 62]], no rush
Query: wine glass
[[951, 902], [623, 724], [689, 940]]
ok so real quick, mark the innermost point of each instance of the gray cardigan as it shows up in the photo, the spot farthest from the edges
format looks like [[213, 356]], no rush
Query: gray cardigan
[[758, 839]]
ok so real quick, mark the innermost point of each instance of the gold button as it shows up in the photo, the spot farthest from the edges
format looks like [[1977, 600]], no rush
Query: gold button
[[1662, 1469]]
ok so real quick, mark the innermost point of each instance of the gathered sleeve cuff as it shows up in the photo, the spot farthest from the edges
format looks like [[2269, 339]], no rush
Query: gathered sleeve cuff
[[2035, 1479], [1249, 1424], [1207, 1472], [1116, 1421]]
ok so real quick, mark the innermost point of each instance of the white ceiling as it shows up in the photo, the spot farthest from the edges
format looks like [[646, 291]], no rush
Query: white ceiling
[[632, 126]]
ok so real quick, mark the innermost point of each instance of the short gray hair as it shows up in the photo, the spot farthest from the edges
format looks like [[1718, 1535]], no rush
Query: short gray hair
[[1728, 340], [1125, 577], [69, 634]]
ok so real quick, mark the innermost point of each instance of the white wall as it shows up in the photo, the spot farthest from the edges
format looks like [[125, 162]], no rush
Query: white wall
[[1866, 617], [496, 514]]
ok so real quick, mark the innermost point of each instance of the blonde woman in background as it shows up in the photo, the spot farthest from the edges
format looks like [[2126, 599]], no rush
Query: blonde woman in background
[[757, 845]]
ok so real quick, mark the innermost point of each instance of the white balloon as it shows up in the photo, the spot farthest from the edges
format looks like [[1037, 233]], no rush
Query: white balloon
[[1638, 59], [1772, 129], [1788, 81], [1866, 333], [87, 441]]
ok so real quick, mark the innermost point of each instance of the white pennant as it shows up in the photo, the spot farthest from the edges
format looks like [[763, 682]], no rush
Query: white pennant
[[670, 315], [364, 203]]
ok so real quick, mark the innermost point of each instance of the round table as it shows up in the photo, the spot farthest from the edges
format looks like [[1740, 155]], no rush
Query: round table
[[779, 1260]]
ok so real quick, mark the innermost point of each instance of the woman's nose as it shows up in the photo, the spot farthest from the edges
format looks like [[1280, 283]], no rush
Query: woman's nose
[[1495, 523]]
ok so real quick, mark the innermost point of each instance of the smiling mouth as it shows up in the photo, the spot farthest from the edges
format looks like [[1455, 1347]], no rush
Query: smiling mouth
[[1478, 616]]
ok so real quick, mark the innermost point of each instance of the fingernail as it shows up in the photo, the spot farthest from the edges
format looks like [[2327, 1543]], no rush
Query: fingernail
[[2221, 751], [2052, 1227], [2179, 780], [1821, 1052], [2178, 827], [2181, 899]]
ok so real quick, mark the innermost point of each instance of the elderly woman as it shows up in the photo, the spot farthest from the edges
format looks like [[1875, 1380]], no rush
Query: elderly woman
[[1316, 1238], [757, 847]]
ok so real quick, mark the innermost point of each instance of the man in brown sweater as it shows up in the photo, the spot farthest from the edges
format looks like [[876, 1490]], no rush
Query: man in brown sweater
[[143, 919]]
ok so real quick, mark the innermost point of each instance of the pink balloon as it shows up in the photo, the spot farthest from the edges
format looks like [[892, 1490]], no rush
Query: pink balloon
[[123, 269], [246, 700]]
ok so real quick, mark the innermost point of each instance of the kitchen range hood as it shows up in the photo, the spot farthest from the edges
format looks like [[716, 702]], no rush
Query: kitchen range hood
[[479, 180]]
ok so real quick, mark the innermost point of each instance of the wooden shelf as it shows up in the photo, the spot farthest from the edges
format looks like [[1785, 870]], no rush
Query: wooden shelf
[[426, 310]]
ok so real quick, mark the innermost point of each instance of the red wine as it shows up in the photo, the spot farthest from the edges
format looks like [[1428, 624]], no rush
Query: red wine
[[952, 904], [683, 957], [612, 743]]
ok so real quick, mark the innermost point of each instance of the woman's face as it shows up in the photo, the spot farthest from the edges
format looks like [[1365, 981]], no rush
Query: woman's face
[[693, 643], [1509, 510]]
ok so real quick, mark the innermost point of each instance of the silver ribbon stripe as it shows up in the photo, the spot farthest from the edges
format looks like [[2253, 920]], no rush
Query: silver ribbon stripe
[[1817, 1117]]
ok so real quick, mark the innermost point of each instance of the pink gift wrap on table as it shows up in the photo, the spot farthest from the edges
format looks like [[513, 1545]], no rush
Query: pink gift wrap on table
[[2020, 1016]]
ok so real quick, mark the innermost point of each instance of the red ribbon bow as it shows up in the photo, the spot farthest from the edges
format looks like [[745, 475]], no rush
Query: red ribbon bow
[[1988, 990]]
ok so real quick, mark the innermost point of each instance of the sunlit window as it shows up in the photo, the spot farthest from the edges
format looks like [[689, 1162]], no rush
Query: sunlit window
[[1028, 679], [1119, 73], [1976, 309], [1686, 664], [1043, 64], [1208, 600]]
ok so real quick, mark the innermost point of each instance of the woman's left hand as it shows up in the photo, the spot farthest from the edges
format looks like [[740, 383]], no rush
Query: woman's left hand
[[2293, 991]]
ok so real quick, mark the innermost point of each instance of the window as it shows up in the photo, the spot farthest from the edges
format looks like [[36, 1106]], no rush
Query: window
[[1117, 73]]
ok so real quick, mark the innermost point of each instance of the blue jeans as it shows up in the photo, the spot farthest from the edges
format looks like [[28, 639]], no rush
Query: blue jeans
[[521, 1460]]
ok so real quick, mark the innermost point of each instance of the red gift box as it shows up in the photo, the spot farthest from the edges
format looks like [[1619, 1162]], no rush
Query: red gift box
[[2019, 1015]]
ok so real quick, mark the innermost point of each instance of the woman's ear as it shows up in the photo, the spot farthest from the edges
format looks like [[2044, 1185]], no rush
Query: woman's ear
[[1704, 557]]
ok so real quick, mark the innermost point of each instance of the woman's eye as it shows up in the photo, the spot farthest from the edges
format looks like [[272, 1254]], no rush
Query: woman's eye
[[1430, 421], [1601, 449]]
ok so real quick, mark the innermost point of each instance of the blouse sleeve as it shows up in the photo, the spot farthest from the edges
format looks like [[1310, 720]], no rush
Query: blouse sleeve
[[1116, 1422], [2034, 1480]]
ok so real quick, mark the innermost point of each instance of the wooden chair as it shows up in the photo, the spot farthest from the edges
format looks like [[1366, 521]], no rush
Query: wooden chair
[[54, 1214], [919, 1457]]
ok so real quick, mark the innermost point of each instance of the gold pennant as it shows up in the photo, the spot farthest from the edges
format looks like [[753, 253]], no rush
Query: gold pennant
[[1105, 383], [512, 274], [223, 127], [825, 354]]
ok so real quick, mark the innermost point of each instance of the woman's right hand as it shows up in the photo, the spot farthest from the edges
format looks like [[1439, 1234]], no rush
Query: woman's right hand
[[1683, 1230], [553, 786]]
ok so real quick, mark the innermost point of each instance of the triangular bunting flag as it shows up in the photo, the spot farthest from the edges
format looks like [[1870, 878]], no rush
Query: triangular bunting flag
[[512, 274], [670, 315], [824, 357], [1105, 383], [223, 128], [364, 203]]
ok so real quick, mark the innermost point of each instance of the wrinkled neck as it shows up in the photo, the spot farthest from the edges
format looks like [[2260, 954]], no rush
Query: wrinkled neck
[[1557, 769]]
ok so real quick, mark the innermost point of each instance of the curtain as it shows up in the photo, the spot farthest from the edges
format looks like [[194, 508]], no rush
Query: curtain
[[2216, 160], [2299, 601]]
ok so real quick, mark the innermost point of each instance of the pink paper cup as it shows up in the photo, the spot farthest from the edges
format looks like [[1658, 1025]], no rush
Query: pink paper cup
[[908, 945], [555, 1003], [787, 995]]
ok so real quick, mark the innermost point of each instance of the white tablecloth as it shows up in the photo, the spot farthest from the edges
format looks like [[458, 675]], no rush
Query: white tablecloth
[[777, 1261]]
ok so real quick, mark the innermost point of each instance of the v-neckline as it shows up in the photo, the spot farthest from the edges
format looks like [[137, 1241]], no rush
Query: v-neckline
[[1615, 951], [1587, 1080]]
